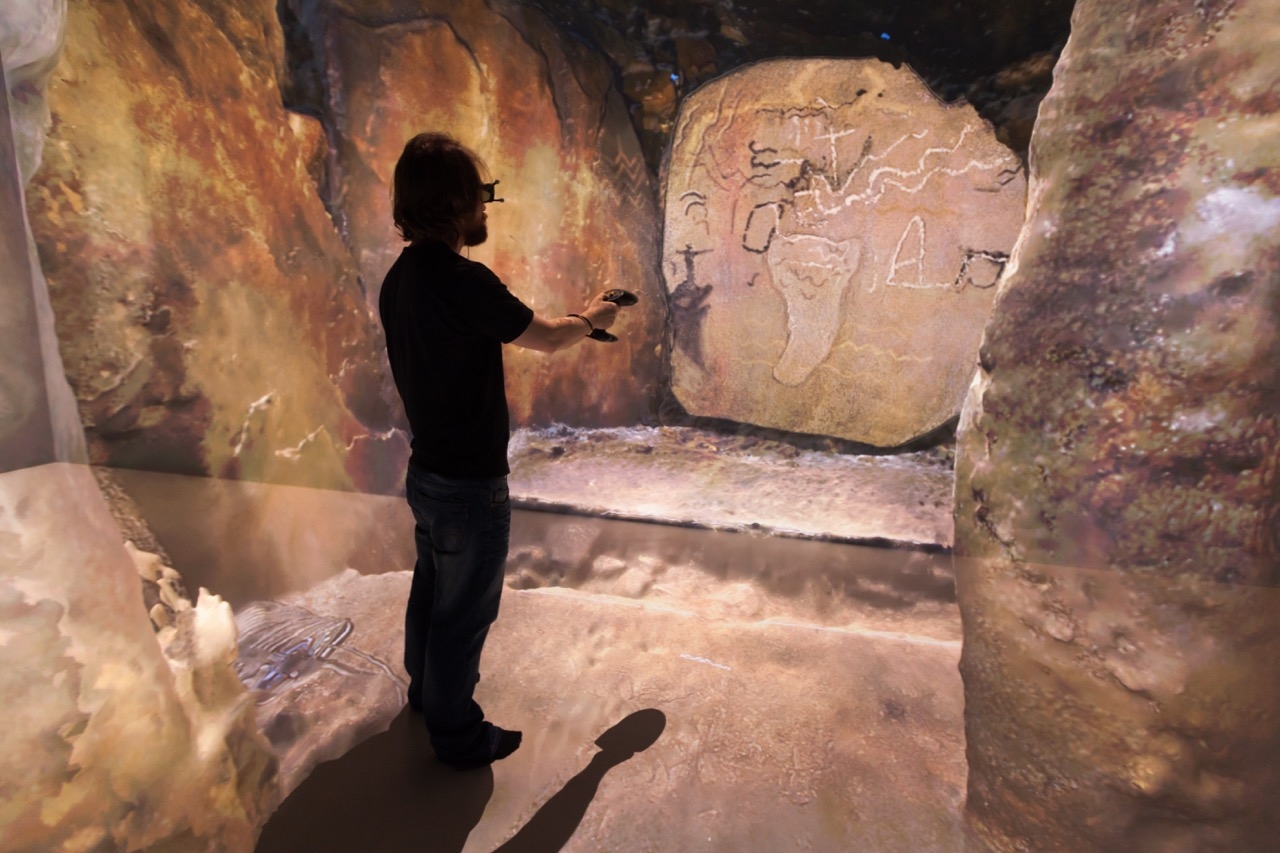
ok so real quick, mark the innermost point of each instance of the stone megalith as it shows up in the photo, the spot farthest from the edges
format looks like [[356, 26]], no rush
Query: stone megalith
[[832, 241], [209, 316], [1118, 471], [579, 215]]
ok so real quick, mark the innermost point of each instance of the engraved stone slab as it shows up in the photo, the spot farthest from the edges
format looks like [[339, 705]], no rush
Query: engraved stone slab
[[833, 236]]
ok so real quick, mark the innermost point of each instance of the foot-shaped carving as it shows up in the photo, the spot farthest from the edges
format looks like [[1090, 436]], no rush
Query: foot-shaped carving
[[812, 273]]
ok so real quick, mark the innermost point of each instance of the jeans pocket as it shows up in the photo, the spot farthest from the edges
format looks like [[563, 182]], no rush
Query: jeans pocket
[[448, 525]]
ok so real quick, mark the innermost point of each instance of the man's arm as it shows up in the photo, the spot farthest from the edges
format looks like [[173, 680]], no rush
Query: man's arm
[[550, 335]]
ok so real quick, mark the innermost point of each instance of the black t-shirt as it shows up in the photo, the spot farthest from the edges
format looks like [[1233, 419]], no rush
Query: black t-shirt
[[446, 319]]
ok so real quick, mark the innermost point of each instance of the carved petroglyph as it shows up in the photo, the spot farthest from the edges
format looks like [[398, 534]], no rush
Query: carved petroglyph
[[812, 274], [281, 645], [825, 218], [906, 269]]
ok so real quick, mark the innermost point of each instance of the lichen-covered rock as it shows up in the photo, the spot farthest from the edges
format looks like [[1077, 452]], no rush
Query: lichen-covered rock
[[833, 237], [1118, 478], [209, 315], [579, 215], [115, 737]]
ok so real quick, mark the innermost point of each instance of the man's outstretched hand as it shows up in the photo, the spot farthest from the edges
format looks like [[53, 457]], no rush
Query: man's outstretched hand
[[602, 312]]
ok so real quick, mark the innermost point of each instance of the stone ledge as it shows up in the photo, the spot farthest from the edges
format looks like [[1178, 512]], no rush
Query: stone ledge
[[694, 478]]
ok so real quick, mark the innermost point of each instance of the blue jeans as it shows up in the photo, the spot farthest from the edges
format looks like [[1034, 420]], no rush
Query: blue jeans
[[463, 528]]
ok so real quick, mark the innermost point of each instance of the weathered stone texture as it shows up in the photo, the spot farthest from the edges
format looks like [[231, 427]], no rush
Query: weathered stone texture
[[579, 215], [115, 737], [31, 35], [38, 419], [833, 238], [1117, 497], [325, 667], [209, 315], [26, 430]]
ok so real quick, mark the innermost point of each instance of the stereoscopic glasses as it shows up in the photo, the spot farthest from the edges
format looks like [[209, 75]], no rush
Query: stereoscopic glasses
[[487, 193]]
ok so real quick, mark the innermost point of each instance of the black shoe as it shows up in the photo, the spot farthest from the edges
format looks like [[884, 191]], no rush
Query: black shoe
[[501, 744]]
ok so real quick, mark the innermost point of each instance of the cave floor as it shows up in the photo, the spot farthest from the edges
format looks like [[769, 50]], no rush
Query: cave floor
[[803, 692], [748, 734]]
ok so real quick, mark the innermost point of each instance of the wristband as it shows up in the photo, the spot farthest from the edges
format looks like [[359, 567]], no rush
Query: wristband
[[590, 326]]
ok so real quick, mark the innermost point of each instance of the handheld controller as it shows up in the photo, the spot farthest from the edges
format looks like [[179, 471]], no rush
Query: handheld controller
[[621, 298]]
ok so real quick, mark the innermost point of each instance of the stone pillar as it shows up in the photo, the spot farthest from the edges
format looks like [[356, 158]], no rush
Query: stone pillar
[[1117, 497], [38, 419]]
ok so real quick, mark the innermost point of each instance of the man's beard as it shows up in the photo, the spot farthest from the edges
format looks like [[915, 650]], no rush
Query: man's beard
[[476, 233]]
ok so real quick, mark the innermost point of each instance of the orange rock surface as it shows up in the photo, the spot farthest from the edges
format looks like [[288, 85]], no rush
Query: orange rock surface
[[579, 214], [209, 316]]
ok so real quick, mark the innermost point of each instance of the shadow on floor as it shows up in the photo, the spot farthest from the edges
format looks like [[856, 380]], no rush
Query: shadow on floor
[[554, 824], [388, 795]]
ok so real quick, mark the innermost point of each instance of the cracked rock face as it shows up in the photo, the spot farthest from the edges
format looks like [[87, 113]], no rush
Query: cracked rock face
[[209, 316], [579, 215], [833, 238], [1117, 506]]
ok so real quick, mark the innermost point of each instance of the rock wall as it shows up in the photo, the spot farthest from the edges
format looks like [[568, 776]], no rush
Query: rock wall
[[1117, 495], [979, 49], [579, 215], [26, 430], [833, 238], [209, 316], [38, 419], [115, 737]]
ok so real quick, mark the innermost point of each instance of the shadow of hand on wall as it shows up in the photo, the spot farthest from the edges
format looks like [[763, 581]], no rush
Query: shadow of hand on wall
[[554, 824], [342, 805]]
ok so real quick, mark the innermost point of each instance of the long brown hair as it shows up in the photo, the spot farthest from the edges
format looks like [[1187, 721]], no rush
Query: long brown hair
[[436, 189]]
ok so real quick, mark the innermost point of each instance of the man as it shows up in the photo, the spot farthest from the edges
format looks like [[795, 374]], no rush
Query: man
[[446, 320]]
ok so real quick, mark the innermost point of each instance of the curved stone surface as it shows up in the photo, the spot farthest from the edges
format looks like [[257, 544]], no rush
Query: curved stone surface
[[579, 215], [31, 34], [115, 737], [1118, 479], [316, 686], [38, 418], [209, 316], [26, 427], [833, 238]]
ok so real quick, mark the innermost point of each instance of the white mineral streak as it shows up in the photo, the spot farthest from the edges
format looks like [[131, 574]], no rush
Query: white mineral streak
[[97, 719], [1232, 218], [258, 405], [295, 452], [697, 659]]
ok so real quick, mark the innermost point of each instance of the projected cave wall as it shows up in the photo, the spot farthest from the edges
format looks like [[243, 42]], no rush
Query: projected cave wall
[[822, 211]]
